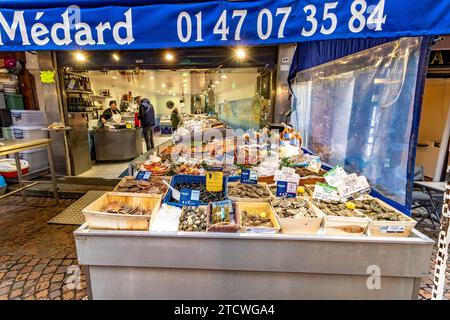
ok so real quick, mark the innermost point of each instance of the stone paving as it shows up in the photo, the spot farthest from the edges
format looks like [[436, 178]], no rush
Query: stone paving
[[38, 260]]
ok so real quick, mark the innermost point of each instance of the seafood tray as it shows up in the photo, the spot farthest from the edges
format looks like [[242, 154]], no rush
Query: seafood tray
[[195, 180], [255, 209], [96, 218], [228, 227], [309, 177], [385, 221], [263, 195], [339, 220], [297, 215], [154, 185], [193, 219]]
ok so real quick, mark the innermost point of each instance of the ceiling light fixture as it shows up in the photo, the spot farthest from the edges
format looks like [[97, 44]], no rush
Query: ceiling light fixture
[[169, 56], [116, 56], [240, 53], [163, 85], [224, 76], [80, 57], [152, 77]]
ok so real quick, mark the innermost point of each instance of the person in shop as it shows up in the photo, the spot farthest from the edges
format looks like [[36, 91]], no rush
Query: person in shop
[[147, 118], [137, 103], [112, 114], [174, 116]]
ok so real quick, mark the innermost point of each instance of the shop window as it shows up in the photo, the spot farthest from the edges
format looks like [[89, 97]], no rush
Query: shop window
[[357, 112]]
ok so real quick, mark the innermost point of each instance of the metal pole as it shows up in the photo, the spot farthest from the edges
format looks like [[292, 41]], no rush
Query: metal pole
[[443, 149], [52, 172], [443, 244]]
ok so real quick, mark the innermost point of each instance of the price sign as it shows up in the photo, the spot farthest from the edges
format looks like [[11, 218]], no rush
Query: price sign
[[189, 197], [249, 176], [143, 175], [334, 176], [325, 192], [286, 189], [214, 179], [353, 186], [314, 165]]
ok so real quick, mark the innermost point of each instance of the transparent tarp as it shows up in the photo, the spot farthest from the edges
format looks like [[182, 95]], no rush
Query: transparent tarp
[[357, 112]]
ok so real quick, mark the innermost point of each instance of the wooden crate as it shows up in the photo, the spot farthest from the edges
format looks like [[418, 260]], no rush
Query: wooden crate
[[348, 226], [239, 199], [96, 219], [257, 208], [302, 225], [124, 179], [390, 228]]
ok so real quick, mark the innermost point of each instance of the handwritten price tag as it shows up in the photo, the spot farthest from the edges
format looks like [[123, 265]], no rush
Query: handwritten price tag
[[325, 192], [334, 176], [353, 186], [314, 165]]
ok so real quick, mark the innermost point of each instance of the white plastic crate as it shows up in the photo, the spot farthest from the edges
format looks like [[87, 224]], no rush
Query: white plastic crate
[[36, 158], [28, 133], [28, 118]]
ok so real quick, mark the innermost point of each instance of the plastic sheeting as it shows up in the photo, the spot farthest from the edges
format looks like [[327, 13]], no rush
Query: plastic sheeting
[[358, 112]]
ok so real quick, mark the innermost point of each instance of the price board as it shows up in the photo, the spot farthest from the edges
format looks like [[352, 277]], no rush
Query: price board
[[143, 175], [189, 197], [214, 179], [249, 176]]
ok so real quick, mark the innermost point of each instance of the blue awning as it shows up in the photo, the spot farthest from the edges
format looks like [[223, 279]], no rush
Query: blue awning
[[150, 24]]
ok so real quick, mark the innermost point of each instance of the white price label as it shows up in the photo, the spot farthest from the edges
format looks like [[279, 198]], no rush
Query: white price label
[[195, 195], [334, 176], [392, 229], [353, 185], [325, 192]]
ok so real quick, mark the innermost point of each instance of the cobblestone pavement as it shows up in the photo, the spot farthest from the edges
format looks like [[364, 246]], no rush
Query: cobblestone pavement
[[37, 260]]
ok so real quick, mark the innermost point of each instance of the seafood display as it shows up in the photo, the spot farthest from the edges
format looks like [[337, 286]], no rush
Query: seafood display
[[205, 196], [122, 208], [193, 219], [373, 210], [256, 220], [293, 208], [303, 172], [242, 190], [154, 186], [336, 208], [156, 168]]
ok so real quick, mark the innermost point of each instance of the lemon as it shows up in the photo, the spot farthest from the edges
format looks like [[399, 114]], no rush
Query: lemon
[[350, 205], [263, 215], [300, 190]]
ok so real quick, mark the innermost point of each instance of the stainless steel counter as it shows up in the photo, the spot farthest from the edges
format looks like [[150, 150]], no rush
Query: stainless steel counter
[[117, 144], [189, 265]]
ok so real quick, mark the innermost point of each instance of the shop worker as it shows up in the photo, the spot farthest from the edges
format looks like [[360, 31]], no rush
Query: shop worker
[[137, 103], [147, 117], [112, 114]]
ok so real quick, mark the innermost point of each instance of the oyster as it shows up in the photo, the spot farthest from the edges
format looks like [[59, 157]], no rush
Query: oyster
[[255, 220], [242, 190], [193, 219], [293, 208]]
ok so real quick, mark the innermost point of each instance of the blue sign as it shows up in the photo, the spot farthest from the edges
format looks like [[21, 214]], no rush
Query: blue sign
[[121, 25], [189, 197], [286, 189], [249, 176], [143, 175]]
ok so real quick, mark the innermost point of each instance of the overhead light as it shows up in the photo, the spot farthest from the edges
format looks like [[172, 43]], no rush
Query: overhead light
[[142, 86], [185, 74], [240, 53], [80, 57], [169, 56], [174, 94], [213, 86], [224, 76], [158, 91], [185, 80], [116, 56], [170, 90], [163, 85], [114, 77], [152, 77], [217, 82]]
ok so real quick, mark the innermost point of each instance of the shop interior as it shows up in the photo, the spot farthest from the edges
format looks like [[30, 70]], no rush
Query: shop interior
[[235, 88]]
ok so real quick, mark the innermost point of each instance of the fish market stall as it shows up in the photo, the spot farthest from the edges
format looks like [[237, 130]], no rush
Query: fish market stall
[[117, 144]]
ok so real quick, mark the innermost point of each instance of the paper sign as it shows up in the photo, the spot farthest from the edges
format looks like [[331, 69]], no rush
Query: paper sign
[[314, 165], [392, 229], [325, 192], [288, 170], [143, 175], [353, 186], [214, 179], [334, 176], [189, 197], [286, 189], [249, 176]]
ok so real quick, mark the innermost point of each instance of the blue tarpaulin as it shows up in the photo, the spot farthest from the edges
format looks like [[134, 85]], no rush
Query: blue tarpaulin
[[149, 24]]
